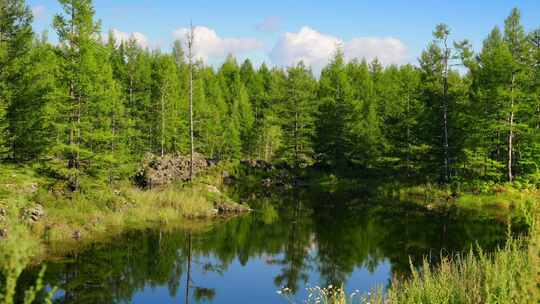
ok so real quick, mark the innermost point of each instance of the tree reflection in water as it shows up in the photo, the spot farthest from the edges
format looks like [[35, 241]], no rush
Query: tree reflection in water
[[303, 237]]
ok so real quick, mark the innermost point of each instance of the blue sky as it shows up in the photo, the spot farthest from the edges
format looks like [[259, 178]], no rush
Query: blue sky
[[281, 32]]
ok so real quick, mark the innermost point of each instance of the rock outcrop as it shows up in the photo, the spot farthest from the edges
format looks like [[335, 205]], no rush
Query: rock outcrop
[[157, 171], [3, 213], [3, 233], [33, 214], [228, 208]]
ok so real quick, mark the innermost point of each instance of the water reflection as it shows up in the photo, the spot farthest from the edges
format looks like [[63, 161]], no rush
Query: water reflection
[[294, 241]]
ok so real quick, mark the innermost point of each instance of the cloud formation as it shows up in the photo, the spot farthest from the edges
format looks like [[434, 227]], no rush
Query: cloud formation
[[315, 49], [312, 47], [270, 24], [139, 38], [39, 11], [388, 50], [209, 46]]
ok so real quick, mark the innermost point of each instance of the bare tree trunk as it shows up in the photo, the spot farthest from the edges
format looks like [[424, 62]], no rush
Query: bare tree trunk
[[162, 125], [113, 127], [78, 157], [188, 275], [130, 105], [296, 148], [538, 114], [445, 113], [511, 132], [190, 39], [408, 160], [75, 134]]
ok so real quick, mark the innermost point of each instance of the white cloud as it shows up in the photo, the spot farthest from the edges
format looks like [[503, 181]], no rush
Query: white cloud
[[307, 45], [387, 50], [270, 24], [139, 38], [209, 46], [39, 11], [315, 49]]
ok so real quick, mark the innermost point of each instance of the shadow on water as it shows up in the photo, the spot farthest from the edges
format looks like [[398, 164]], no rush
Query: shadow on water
[[293, 240]]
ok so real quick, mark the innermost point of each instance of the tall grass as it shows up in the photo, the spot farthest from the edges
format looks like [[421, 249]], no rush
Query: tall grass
[[127, 207], [511, 274], [15, 253], [506, 276], [99, 211], [336, 295], [73, 219]]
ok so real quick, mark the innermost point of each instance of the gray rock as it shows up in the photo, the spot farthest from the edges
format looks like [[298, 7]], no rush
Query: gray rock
[[213, 189], [3, 233], [34, 213], [157, 171]]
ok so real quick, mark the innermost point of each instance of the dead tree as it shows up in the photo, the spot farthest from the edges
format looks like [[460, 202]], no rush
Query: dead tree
[[190, 37]]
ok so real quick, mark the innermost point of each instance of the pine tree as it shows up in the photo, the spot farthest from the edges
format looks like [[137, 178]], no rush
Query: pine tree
[[530, 154], [210, 115], [407, 142], [334, 113], [297, 116], [515, 39], [436, 66], [166, 98], [489, 82], [137, 85], [240, 111], [89, 92], [33, 111], [255, 90], [181, 140], [122, 162], [15, 42], [270, 134]]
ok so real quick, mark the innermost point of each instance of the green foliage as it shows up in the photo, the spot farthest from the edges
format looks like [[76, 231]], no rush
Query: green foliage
[[502, 277], [15, 43], [86, 112], [335, 110], [92, 110], [15, 254], [297, 116]]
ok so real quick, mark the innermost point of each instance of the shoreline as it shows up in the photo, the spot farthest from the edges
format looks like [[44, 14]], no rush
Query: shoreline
[[52, 224]]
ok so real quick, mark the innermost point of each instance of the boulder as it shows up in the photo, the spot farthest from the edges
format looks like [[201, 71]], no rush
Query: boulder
[[212, 162], [34, 213], [157, 171], [77, 235], [267, 182], [257, 164], [227, 178], [213, 189], [3, 214], [3, 233], [230, 208]]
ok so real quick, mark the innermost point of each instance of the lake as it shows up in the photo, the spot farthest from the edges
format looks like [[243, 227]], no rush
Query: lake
[[293, 241]]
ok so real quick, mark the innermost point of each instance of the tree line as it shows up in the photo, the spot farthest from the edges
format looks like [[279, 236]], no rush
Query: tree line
[[85, 108]]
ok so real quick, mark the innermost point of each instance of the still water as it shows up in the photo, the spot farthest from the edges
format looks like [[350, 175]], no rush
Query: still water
[[293, 243]]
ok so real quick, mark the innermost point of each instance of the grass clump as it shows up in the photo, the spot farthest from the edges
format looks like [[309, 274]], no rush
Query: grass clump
[[336, 295], [16, 251], [98, 211], [503, 199], [511, 274], [506, 276]]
